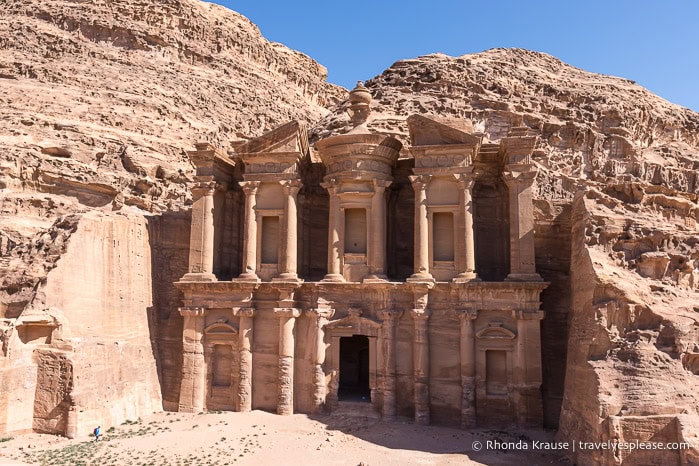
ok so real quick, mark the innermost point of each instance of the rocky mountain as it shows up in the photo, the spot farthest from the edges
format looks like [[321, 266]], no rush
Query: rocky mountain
[[102, 99]]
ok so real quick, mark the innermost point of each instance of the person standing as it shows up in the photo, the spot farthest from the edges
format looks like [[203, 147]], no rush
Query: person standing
[[97, 432]]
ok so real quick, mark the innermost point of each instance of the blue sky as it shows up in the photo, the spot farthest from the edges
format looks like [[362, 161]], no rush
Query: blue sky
[[653, 43]]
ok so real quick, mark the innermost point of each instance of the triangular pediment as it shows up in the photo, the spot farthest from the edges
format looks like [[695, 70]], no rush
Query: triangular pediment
[[437, 131], [287, 138]]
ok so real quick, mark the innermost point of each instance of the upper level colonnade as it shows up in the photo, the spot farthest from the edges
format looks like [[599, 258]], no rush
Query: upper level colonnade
[[451, 207]]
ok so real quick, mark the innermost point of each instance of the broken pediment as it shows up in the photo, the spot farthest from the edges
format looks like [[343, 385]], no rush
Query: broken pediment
[[287, 138], [435, 131]]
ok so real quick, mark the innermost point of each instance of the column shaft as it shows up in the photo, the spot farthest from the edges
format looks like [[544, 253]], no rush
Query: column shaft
[[193, 386], [201, 243], [389, 370], [468, 370], [289, 270], [421, 367], [250, 240], [319, 385], [334, 272], [377, 261], [287, 319], [422, 256], [466, 266], [245, 335]]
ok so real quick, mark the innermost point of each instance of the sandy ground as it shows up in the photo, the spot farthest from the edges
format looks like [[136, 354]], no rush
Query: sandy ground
[[260, 438]]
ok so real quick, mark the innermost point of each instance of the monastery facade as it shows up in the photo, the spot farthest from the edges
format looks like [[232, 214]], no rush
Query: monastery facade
[[365, 274]]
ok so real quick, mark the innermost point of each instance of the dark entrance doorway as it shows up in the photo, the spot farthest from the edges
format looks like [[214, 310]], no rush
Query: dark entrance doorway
[[354, 369]]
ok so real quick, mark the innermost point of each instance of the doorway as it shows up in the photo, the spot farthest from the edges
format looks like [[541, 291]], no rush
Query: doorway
[[354, 369]]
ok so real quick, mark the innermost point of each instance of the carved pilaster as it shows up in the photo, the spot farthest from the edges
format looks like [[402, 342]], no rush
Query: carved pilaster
[[193, 385], [320, 316], [388, 340], [528, 372], [522, 263], [467, 319]]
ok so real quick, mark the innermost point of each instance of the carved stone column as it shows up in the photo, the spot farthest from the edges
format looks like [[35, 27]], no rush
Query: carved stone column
[[201, 240], [527, 369], [320, 315], [388, 343], [421, 366], [422, 233], [522, 264], [250, 239], [245, 335], [291, 190], [466, 259], [287, 319], [377, 259], [334, 250], [193, 386], [468, 369]]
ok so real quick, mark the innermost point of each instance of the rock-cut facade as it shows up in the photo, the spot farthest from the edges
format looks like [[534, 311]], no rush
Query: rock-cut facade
[[363, 275]]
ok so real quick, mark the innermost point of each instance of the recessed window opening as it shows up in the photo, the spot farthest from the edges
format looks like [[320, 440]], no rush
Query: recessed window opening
[[355, 231], [270, 240], [443, 236]]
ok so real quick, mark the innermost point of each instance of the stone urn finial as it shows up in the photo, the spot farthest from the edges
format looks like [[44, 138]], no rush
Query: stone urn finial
[[360, 104]]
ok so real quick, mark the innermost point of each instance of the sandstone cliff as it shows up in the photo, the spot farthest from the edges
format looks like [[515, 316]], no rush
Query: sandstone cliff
[[100, 102], [103, 98]]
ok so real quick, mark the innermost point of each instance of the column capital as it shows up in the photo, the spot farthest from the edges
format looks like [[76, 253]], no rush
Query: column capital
[[249, 187], [390, 315], [420, 314], [282, 312], [329, 184], [244, 312], [465, 180], [381, 185], [514, 178], [191, 311], [291, 187], [204, 186], [420, 182], [528, 314], [467, 314], [320, 313]]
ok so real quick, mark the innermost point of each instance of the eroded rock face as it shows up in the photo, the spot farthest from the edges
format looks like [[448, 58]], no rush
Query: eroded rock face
[[100, 102]]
